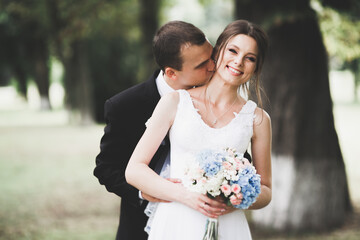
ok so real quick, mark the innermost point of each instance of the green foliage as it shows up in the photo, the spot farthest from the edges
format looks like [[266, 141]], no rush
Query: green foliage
[[114, 50], [110, 31], [20, 28], [82, 20], [107, 32], [340, 26], [341, 34]]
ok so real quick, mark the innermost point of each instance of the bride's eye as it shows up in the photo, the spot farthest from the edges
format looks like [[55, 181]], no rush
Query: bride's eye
[[232, 50], [251, 59]]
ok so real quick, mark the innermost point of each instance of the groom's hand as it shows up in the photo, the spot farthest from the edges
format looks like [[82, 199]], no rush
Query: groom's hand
[[154, 199], [174, 180], [151, 198]]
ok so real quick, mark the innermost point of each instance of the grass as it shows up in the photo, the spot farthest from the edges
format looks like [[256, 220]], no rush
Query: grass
[[48, 190]]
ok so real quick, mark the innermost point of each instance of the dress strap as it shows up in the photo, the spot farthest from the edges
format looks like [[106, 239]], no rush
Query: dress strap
[[184, 98], [249, 107]]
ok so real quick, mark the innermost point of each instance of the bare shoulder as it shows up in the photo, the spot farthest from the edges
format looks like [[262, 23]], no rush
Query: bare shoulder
[[170, 99], [261, 117], [165, 110]]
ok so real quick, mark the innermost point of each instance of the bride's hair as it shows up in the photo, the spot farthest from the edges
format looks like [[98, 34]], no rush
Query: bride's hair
[[258, 34]]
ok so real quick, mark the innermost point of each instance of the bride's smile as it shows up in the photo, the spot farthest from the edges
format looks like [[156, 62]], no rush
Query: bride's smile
[[237, 62]]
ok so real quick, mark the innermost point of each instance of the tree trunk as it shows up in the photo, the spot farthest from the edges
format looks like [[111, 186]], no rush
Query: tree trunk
[[310, 189], [78, 85], [355, 68], [149, 22], [21, 77], [41, 73]]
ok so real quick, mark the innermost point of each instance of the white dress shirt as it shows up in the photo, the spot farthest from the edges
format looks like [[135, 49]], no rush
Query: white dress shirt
[[162, 85]]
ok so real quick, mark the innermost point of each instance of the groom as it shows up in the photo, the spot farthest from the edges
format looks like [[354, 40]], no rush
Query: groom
[[184, 56]]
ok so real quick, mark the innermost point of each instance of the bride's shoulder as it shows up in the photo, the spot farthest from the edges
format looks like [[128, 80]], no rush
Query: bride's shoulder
[[261, 118], [169, 100], [165, 110]]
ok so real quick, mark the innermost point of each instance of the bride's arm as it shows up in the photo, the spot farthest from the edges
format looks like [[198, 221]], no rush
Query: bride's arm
[[141, 176], [137, 172], [261, 155]]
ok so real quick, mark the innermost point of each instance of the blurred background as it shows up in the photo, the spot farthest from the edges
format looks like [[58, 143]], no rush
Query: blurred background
[[60, 60]]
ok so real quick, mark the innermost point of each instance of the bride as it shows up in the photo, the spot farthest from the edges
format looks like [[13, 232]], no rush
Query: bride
[[208, 117]]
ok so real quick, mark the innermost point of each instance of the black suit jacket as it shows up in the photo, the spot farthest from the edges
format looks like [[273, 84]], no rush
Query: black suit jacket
[[125, 115]]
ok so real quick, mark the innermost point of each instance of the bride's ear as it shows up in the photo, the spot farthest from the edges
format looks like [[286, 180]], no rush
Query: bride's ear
[[171, 73]]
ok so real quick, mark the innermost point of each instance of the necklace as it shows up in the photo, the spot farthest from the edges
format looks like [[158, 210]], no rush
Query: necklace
[[207, 99]]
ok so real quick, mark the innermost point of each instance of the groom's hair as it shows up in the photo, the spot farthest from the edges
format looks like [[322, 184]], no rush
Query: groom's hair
[[170, 39]]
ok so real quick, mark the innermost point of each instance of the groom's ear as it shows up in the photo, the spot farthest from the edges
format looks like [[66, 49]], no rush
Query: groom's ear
[[171, 73]]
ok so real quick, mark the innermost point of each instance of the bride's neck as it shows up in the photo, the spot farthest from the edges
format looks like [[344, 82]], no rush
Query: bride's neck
[[220, 93]]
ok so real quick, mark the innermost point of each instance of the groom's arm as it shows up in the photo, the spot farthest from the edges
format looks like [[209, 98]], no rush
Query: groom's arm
[[116, 147], [248, 156]]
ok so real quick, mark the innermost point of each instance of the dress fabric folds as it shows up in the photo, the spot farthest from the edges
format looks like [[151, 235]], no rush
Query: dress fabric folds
[[189, 135]]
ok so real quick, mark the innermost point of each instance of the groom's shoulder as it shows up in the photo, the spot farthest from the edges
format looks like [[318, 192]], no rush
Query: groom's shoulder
[[130, 93], [137, 93]]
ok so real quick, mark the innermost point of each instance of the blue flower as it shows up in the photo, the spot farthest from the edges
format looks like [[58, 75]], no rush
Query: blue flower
[[212, 168], [243, 180], [210, 161], [250, 187]]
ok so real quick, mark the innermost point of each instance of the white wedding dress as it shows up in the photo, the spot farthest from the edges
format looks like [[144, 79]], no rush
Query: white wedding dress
[[189, 134]]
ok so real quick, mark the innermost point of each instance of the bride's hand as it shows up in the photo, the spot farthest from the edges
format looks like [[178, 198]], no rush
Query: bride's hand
[[235, 200], [228, 209]]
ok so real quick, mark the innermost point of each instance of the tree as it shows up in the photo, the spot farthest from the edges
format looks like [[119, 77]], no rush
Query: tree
[[121, 50], [26, 52], [99, 44], [13, 57], [104, 46], [340, 24], [149, 23], [310, 190], [70, 28]]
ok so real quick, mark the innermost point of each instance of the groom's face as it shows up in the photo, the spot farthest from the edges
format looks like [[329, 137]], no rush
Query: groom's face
[[197, 66]]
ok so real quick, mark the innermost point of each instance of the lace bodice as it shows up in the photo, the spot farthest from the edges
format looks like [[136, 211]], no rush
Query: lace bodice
[[189, 134]]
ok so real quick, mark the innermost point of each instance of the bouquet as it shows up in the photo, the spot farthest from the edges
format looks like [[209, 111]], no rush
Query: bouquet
[[224, 173]]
